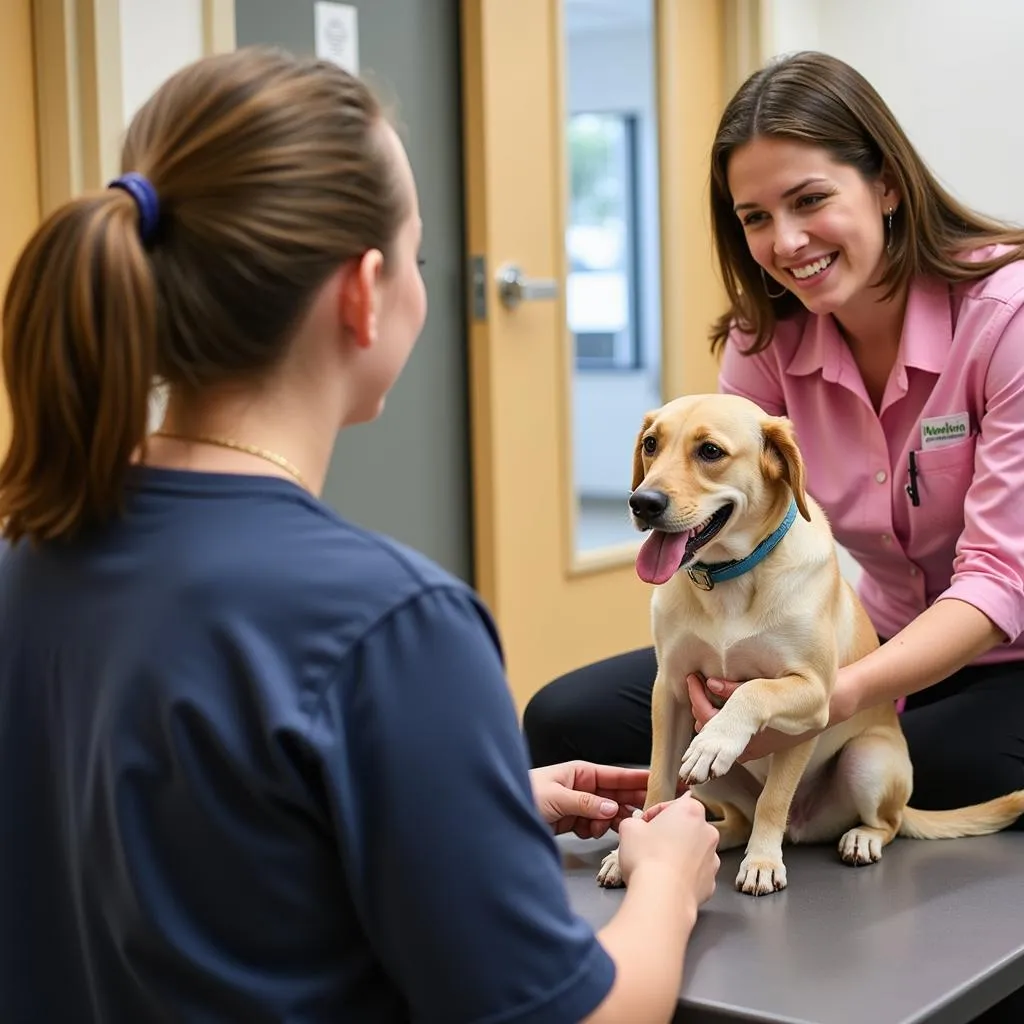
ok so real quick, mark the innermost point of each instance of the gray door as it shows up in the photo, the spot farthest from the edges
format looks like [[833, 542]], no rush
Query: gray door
[[407, 474]]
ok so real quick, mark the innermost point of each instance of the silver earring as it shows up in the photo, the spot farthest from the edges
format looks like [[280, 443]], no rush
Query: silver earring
[[764, 281], [888, 241]]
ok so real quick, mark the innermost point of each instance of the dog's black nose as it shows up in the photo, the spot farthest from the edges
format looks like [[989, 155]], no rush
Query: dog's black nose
[[648, 505]]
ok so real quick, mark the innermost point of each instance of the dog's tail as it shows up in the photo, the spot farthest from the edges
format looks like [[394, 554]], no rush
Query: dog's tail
[[976, 820]]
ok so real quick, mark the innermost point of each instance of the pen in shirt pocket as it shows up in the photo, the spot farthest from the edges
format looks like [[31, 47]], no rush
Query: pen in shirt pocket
[[912, 492]]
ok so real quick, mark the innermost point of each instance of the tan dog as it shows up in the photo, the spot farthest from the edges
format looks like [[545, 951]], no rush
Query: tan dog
[[714, 477]]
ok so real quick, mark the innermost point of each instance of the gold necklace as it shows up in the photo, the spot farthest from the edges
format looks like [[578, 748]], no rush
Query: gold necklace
[[239, 446]]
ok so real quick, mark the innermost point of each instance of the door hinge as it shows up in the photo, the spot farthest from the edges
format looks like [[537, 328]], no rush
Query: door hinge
[[478, 287]]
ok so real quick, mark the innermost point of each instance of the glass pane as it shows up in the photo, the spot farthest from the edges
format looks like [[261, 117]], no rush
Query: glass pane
[[612, 247]]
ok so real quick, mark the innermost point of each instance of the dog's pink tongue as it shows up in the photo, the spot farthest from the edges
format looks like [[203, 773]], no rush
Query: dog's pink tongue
[[661, 555]]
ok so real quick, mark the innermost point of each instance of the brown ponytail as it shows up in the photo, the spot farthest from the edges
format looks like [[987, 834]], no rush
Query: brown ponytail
[[271, 171], [79, 329]]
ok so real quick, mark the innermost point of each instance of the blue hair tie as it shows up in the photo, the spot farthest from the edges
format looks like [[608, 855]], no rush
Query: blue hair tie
[[140, 188]]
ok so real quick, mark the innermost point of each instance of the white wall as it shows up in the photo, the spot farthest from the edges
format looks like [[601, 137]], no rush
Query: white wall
[[157, 38], [791, 25], [949, 71]]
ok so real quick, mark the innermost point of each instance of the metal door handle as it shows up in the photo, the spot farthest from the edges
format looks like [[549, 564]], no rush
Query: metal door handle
[[513, 288]]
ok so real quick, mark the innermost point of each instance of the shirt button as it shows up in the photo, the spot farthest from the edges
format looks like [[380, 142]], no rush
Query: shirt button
[[880, 476], [886, 538], [913, 570]]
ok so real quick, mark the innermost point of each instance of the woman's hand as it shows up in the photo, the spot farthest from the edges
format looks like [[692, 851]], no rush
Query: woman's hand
[[683, 841], [587, 799], [707, 696]]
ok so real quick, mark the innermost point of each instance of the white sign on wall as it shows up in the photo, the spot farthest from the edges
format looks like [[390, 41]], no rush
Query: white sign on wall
[[337, 34]]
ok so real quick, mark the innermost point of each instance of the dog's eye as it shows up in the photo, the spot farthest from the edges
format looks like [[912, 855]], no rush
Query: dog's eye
[[710, 452], [650, 445]]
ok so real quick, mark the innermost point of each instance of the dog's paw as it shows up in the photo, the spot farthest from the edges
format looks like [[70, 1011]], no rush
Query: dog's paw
[[711, 753], [860, 846], [610, 875], [760, 876]]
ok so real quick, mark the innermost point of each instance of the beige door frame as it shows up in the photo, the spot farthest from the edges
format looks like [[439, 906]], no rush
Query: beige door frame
[[19, 165]]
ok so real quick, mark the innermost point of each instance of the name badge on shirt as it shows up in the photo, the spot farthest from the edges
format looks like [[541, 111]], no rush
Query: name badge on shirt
[[939, 431]]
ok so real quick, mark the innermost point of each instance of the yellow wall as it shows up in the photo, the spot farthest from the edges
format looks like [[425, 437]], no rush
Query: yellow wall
[[19, 169]]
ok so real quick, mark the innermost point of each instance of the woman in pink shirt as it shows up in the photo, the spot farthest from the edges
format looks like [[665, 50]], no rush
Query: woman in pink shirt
[[885, 319]]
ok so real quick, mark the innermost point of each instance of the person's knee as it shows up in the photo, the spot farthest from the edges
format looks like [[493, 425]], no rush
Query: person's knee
[[547, 723], [599, 712], [960, 767]]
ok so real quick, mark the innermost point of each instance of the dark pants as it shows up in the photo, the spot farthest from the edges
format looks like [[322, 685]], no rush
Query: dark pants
[[966, 735]]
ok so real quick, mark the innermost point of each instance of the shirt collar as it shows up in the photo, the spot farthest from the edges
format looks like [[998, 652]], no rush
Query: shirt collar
[[820, 348], [927, 326], [925, 343]]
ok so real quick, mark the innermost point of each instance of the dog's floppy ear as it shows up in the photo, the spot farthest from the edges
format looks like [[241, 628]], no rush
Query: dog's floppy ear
[[781, 459], [638, 455]]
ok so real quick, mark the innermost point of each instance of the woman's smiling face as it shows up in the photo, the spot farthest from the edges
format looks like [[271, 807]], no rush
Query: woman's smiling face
[[815, 225]]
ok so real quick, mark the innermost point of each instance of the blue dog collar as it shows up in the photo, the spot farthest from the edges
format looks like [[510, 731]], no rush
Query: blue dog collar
[[706, 576]]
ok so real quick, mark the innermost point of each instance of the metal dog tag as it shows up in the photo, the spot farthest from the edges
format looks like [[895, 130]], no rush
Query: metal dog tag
[[701, 578]]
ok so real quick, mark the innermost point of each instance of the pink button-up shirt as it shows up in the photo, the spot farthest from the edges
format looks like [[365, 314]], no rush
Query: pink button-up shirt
[[955, 398]]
